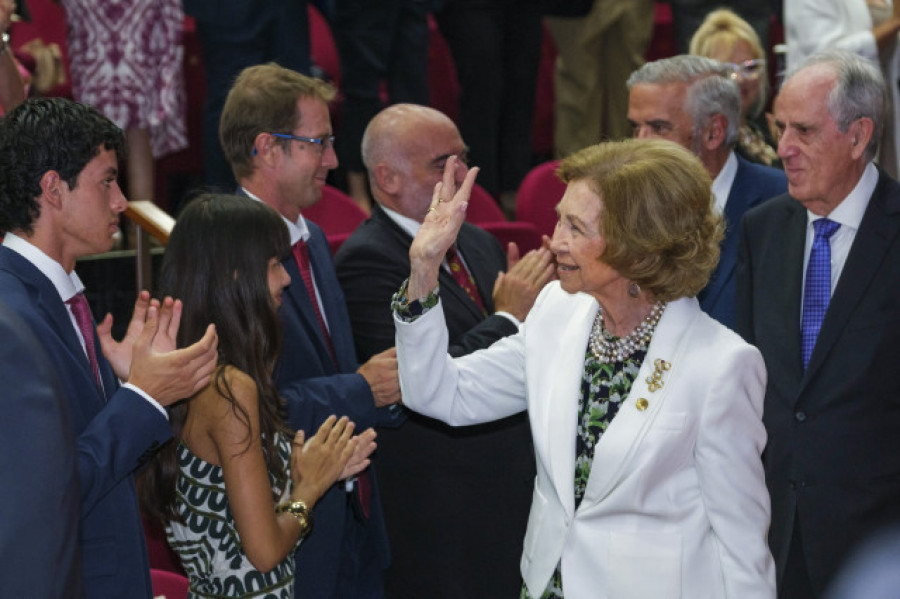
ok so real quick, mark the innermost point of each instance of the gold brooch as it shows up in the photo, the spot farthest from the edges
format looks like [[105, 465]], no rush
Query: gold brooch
[[654, 381]]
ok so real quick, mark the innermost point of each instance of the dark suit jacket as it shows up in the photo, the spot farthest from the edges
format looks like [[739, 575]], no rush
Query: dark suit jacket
[[315, 388], [116, 431], [753, 184], [39, 554], [456, 500], [833, 454]]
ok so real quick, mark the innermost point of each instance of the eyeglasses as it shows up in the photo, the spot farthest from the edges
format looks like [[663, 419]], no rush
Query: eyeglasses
[[324, 143], [749, 69]]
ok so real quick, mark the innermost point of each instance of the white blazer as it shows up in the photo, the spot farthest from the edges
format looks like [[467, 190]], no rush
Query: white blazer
[[676, 504]]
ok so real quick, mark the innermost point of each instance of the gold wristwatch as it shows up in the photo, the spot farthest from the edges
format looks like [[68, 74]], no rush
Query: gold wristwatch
[[298, 510]]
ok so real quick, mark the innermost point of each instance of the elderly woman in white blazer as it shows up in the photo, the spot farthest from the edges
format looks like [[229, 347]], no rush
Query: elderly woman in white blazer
[[645, 412]]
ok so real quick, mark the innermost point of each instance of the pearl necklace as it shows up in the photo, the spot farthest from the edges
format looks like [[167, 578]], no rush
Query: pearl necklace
[[609, 349]]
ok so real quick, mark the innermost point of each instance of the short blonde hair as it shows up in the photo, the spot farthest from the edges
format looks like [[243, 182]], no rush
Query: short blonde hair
[[658, 221], [724, 28]]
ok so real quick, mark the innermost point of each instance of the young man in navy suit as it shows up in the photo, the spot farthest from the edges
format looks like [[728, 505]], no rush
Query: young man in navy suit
[[692, 101], [819, 295], [276, 133], [59, 201]]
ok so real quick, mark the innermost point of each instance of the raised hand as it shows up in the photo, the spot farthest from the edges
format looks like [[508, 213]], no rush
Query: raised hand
[[439, 229], [359, 461], [119, 352], [517, 288], [166, 374], [317, 463]]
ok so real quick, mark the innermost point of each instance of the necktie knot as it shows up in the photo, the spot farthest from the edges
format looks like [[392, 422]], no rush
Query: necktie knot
[[825, 228]]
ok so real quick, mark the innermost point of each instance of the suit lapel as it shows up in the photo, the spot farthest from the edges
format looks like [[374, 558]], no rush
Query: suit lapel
[[877, 231], [560, 412], [46, 300], [298, 295], [333, 304], [743, 196], [612, 454], [783, 296]]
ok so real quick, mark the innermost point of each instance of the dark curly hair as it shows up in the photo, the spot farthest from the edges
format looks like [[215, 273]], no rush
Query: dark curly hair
[[47, 134]]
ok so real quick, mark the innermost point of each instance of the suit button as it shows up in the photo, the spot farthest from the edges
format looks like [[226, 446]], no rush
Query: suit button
[[800, 416]]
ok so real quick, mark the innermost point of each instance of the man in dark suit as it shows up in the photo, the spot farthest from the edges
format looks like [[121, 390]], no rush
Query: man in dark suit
[[456, 500], [692, 101], [276, 133], [819, 295], [59, 200], [38, 484]]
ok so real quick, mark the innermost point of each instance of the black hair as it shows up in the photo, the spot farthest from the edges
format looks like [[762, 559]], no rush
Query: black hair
[[47, 134], [216, 262]]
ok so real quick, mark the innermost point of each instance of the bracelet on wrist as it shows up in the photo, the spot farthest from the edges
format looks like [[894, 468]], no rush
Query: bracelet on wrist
[[298, 510]]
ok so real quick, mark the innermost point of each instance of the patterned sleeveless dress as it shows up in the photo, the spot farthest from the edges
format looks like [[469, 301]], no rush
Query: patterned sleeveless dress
[[208, 543]]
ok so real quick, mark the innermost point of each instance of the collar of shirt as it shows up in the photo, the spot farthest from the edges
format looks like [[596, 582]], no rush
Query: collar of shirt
[[410, 225], [721, 185], [849, 213], [297, 230], [66, 284]]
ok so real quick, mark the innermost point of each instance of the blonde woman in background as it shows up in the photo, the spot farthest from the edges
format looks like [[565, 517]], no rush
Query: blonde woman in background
[[726, 37]]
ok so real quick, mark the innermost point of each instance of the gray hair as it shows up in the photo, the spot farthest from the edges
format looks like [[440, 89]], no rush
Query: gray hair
[[859, 91], [710, 89]]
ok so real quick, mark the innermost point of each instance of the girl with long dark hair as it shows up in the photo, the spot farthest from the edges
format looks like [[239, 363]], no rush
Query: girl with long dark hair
[[234, 493]]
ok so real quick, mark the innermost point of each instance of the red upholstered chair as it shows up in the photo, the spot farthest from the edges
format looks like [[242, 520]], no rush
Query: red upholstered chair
[[482, 207], [168, 584], [443, 85], [159, 553], [540, 192], [322, 48], [525, 235], [335, 241], [336, 212]]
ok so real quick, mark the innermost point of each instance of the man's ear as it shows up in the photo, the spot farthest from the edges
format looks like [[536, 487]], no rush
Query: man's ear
[[861, 131], [715, 132], [52, 190], [387, 178], [264, 146]]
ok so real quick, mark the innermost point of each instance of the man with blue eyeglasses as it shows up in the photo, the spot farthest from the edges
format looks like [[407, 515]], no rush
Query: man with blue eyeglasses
[[276, 134]]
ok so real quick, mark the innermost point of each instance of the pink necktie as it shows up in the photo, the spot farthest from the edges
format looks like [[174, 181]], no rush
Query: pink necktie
[[82, 312], [301, 255]]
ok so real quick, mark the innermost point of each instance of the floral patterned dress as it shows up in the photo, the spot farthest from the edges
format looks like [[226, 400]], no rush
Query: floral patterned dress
[[604, 386]]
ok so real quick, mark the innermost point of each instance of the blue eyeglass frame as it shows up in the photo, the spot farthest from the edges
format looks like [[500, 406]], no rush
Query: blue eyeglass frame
[[323, 142]]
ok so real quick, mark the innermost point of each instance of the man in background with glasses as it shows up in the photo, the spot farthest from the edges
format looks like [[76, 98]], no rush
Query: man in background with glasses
[[695, 102], [276, 134]]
